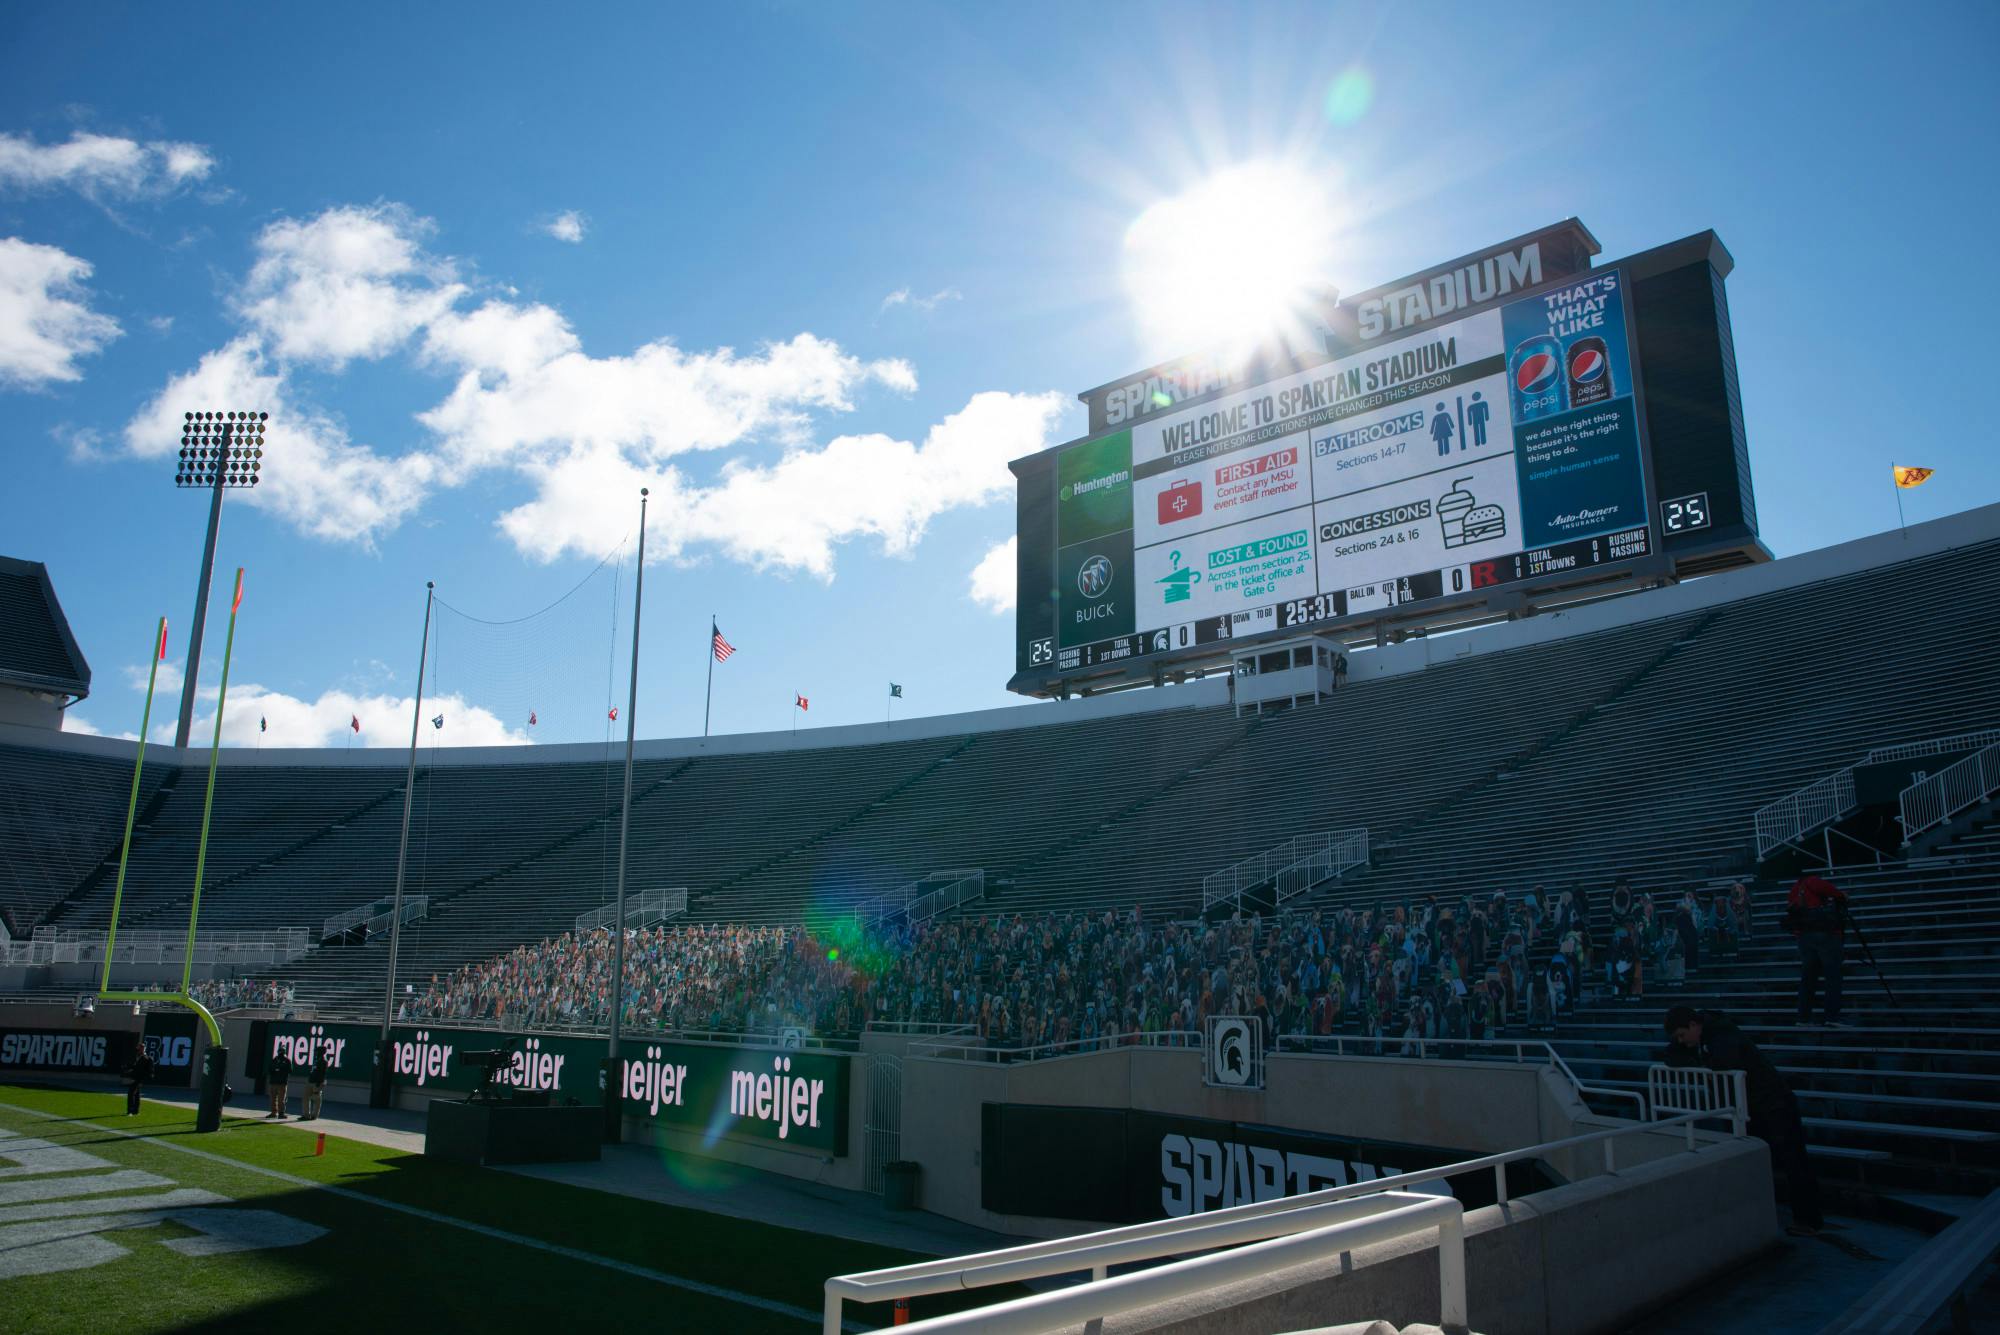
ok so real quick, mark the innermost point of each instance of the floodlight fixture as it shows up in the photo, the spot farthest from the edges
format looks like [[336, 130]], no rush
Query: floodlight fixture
[[219, 450]]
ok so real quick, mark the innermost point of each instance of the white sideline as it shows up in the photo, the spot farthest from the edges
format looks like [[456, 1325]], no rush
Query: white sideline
[[485, 1230]]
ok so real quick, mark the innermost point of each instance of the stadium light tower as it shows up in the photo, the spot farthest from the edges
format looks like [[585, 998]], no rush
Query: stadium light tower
[[218, 451]]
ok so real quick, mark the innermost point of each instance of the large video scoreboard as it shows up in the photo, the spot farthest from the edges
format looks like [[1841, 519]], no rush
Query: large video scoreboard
[[1470, 438]]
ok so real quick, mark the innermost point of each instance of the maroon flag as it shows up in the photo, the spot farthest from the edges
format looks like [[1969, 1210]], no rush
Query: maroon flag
[[531, 718], [354, 722]]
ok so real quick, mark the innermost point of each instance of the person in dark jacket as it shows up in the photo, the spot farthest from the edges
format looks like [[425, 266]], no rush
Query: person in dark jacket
[[137, 1072], [1712, 1039], [1816, 912], [277, 1075]]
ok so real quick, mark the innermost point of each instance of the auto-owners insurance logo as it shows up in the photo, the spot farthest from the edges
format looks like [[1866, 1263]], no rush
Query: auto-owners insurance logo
[[1093, 577]]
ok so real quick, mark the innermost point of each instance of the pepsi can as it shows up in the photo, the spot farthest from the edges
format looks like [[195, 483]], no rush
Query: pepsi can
[[1535, 378], [1588, 372]]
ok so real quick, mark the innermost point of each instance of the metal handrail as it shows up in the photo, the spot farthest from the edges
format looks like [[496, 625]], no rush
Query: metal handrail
[[969, 886], [1305, 859], [1831, 798], [1697, 1089], [1935, 799], [278, 945], [641, 910], [1067, 1255], [1518, 1045], [374, 916], [937, 1048]]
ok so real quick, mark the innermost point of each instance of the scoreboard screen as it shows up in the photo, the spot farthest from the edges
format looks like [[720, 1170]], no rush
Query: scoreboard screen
[[1503, 449]]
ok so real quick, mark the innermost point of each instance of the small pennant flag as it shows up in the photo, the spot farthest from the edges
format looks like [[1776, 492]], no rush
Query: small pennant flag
[[801, 703], [614, 713], [438, 722], [163, 639], [895, 691], [354, 722], [531, 718], [238, 601], [263, 725], [1910, 477], [718, 646]]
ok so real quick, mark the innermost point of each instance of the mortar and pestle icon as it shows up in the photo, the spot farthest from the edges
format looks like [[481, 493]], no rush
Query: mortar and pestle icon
[[1464, 520]]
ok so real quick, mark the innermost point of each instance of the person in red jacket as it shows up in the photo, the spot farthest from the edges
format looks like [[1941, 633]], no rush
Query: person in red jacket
[[1816, 912]]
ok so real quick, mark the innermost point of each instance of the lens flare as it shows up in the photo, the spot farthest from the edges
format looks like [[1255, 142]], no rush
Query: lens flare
[[1349, 96], [1232, 261]]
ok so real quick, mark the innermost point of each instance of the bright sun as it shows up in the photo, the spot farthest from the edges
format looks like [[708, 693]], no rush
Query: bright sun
[[1229, 262]]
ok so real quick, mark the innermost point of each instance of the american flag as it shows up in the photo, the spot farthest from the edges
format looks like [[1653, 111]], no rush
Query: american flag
[[720, 647]]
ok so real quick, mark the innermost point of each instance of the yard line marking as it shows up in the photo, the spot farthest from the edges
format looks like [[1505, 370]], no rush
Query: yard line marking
[[165, 1200], [485, 1230], [46, 1189]]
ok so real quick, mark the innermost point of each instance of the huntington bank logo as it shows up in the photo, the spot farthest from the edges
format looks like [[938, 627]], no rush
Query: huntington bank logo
[[1234, 1052], [1093, 578]]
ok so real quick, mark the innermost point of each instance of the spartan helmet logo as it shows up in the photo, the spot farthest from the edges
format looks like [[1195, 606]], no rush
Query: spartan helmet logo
[[1229, 1053]]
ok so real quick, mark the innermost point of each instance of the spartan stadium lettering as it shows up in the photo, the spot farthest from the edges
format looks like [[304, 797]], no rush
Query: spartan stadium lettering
[[1457, 290], [1198, 1174], [83, 1052], [789, 1101], [1383, 373]]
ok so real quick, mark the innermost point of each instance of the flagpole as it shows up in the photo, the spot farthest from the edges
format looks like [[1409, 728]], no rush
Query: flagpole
[[709, 699], [379, 1096], [614, 1093], [1897, 488]]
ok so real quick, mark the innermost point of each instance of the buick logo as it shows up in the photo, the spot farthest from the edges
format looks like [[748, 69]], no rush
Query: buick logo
[[1093, 580]]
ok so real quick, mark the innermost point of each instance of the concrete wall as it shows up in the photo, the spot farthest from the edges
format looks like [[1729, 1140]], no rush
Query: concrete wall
[[1482, 1107], [1577, 1260]]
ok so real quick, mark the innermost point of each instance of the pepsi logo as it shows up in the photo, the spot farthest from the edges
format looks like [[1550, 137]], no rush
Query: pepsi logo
[[1535, 373], [1586, 365]]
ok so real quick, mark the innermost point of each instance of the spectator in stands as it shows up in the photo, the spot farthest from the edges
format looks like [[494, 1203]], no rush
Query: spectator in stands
[[1687, 933], [1816, 911], [1739, 912], [1711, 1039], [1622, 968], [1621, 900]]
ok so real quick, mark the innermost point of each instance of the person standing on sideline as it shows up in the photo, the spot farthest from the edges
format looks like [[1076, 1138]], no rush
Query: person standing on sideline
[[315, 1087], [1817, 914], [1712, 1039], [137, 1072], [278, 1074]]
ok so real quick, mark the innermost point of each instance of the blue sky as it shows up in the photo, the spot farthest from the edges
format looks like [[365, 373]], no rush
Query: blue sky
[[491, 267]]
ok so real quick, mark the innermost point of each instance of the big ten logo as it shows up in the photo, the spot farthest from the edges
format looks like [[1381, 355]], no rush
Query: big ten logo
[[167, 1050], [302, 1049], [422, 1058], [655, 1083], [533, 1068]]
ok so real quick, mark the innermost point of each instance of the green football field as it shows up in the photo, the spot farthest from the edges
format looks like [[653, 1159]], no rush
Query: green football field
[[136, 1224]]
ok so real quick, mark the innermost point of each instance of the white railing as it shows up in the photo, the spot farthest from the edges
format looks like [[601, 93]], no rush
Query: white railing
[[969, 886], [1680, 1090], [1451, 1049], [1832, 798], [1275, 1240], [268, 946], [902, 900], [1933, 800], [1095, 1252], [641, 910], [1816, 804], [375, 916], [1291, 867]]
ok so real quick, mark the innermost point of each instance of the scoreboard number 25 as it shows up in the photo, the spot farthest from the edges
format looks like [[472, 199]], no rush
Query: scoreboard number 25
[[1041, 651]]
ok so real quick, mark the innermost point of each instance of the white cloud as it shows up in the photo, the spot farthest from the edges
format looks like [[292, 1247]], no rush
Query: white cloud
[[324, 721], [102, 166], [993, 578], [314, 476], [75, 722], [791, 515], [584, 432], [352, 282], [161, 324], [903, 297], [45, 320], [567, 226]]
